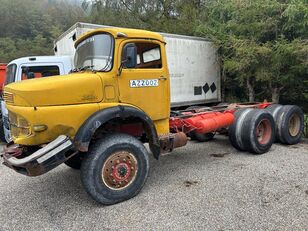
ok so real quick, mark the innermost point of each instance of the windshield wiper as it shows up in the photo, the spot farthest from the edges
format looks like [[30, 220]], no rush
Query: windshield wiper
[[86, 68]]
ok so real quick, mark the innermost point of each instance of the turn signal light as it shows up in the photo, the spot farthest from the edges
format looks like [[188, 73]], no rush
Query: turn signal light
[[40, 128]]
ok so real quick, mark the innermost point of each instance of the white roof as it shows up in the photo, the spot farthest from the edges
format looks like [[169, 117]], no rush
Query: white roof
[[41, 59]]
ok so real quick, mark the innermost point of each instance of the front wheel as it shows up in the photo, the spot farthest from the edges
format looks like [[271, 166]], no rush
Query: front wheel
[[115, 169]]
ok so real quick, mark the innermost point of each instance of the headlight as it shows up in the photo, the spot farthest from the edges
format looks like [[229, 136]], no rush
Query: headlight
[[19, 125]]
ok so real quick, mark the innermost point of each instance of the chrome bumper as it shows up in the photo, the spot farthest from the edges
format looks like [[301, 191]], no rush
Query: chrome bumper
[[41, 161]]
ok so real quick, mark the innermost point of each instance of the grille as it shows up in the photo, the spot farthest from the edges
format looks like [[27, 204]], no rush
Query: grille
[[8, 97]]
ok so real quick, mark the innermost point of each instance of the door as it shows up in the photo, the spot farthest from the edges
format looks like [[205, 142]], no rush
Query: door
[[146, 85]]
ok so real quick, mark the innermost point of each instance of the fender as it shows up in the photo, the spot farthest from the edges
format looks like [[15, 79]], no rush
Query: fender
[[88, 128]]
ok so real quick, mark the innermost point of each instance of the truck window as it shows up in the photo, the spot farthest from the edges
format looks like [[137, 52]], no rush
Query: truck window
[[29, 72], [151, 55], [148, 55], [10, 73]]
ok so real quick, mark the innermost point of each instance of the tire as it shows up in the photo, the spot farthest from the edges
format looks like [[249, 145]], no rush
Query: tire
[[258, 131], [202, 137], [75, 161], [2, 135], [275, 109], [127, 161], [235, 130], [290, 125]]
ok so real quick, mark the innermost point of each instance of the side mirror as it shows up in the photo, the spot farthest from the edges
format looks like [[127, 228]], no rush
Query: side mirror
[[131, 56]]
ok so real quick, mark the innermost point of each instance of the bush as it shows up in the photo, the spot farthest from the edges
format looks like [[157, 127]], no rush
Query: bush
[[306, 126]]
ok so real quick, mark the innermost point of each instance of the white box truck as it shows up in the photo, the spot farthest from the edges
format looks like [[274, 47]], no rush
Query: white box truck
[[192, 62]]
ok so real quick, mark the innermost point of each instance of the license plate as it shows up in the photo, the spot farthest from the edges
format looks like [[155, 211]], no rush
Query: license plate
[[144, 83]]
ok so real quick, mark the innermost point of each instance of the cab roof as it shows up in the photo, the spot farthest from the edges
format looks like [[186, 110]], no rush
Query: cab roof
[[118, 32], [40, 59]]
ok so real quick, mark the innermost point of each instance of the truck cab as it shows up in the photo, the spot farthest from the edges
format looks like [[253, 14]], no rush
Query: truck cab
[[28, 68], [119, 91]]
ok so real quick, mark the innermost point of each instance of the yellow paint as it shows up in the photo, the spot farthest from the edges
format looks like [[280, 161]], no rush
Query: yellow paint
[[63, 103], [69, 89], [109, 92]]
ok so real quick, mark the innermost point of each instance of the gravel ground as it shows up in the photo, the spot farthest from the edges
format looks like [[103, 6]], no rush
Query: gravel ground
[[203, 186]]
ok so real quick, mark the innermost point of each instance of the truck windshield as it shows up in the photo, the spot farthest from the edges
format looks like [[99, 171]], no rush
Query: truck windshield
[[95, 53], [10, 74]]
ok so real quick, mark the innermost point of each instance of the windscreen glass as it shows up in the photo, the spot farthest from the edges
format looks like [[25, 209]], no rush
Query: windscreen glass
[[95, 53]]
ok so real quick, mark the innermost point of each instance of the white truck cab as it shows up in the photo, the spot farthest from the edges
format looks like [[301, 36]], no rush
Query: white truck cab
[[28, 68]]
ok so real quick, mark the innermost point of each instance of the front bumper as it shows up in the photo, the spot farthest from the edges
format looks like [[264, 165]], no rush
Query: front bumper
[[41, 161]]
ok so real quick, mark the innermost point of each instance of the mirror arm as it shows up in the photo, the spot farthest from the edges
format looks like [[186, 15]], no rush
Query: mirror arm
[[121, 67]]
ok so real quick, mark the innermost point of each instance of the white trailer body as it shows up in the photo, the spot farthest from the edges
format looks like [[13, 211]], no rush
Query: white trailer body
[[192, 62]]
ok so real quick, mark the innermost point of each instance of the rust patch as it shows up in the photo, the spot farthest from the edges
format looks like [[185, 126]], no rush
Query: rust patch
[[171, 141]]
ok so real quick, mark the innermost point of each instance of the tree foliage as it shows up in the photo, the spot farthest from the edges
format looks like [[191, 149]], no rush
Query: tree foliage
[[28, 27]]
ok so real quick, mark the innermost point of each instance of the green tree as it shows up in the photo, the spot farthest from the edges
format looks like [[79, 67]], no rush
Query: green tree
[[29, 27], [259, 41]]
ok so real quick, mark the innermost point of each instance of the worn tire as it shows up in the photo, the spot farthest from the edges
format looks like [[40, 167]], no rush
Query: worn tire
[[275, 109], [258, 131], [93, 177], [75, 161], [202, 137], [2, 135], [290, 124], [235, 130]]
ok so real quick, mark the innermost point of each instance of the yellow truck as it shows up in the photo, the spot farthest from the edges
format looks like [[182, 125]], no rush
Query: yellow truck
[[98, 117]]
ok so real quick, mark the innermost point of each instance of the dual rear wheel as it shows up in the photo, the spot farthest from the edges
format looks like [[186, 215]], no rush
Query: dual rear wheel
[[255, 130], [289, 123]]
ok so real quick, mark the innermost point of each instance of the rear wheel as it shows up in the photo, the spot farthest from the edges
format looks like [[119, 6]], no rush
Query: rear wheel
[[115, 169], [290, 124], [235, 130], [275, 109], [258, 131]]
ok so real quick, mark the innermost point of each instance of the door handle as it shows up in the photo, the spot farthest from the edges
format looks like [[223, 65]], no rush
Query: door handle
[[162, 78]]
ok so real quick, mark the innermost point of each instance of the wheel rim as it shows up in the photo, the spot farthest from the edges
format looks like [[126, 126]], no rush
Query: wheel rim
[[119, 170], [264, 131], [294, 125]]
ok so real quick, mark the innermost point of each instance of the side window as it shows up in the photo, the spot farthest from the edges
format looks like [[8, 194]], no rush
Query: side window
[[151, 55], [148, 55], [29, 72]]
